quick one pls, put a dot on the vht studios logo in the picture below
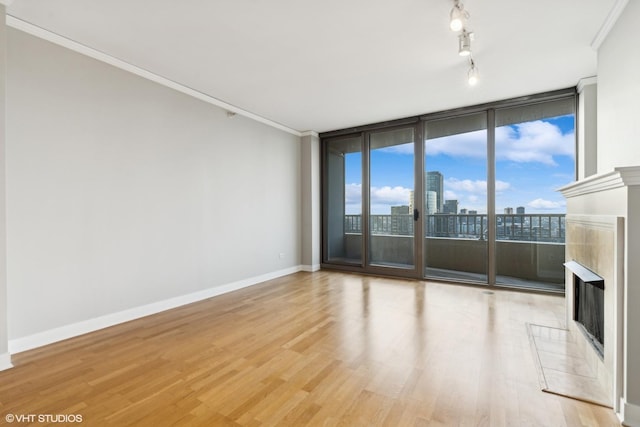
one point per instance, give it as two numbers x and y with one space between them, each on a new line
43 418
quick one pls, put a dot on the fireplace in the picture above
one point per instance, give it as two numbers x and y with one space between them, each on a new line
595 243
588 308
603 231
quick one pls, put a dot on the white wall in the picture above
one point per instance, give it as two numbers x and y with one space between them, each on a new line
4 348
619 145
310 199
587 160
123 193
619 92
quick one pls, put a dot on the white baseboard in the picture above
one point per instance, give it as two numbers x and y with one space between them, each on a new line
5 361
629 414
310 268
80 328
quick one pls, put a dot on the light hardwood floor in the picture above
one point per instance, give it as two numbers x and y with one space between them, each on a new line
323 348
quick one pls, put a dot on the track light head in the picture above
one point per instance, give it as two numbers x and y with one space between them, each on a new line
458 16
464 43
472 74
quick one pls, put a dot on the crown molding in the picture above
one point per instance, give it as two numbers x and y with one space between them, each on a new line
310 133
608 23
619 178
49 36
7 3
587 81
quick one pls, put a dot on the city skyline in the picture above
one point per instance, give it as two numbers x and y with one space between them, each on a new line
533 159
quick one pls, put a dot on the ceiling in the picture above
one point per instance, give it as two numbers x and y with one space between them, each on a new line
331 64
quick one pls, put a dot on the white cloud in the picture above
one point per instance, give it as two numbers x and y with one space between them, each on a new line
470 144
390 195
475 187
471 194
531 142
467 185
353 194
502 186
542 204
381 198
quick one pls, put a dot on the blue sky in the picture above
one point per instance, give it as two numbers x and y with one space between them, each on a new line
533 159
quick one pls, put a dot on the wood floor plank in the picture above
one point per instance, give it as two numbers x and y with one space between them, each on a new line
319 349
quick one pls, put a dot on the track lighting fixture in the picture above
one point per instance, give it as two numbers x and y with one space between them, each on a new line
472 74
464 43
458 16
458 22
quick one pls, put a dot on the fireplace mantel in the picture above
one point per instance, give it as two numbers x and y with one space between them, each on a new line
603 233
619 177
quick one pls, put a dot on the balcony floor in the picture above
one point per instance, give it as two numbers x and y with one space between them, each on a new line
515 282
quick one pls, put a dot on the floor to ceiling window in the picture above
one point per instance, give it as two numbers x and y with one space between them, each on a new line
368 193
467 195
534 155
342 199
456 197
391 189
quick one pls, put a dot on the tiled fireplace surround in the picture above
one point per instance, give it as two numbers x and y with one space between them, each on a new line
596 242
603 220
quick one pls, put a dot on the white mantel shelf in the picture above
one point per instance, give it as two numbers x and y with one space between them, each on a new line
620 177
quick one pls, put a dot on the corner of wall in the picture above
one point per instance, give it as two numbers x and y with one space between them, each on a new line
5 362
310 200
587 132
629 414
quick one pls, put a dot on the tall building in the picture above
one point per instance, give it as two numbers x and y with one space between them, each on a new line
435 182
508 211
432 203
400 210
411 201
451 207
519 211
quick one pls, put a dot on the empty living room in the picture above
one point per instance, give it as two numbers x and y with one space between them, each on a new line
442 229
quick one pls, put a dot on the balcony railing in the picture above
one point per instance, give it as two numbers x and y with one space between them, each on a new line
521 227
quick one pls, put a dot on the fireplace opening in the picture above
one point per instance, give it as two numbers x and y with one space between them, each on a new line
589 304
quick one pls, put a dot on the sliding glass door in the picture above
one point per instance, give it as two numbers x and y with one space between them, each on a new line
466 196
391 199
455 176
343 201
370 210
534 155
